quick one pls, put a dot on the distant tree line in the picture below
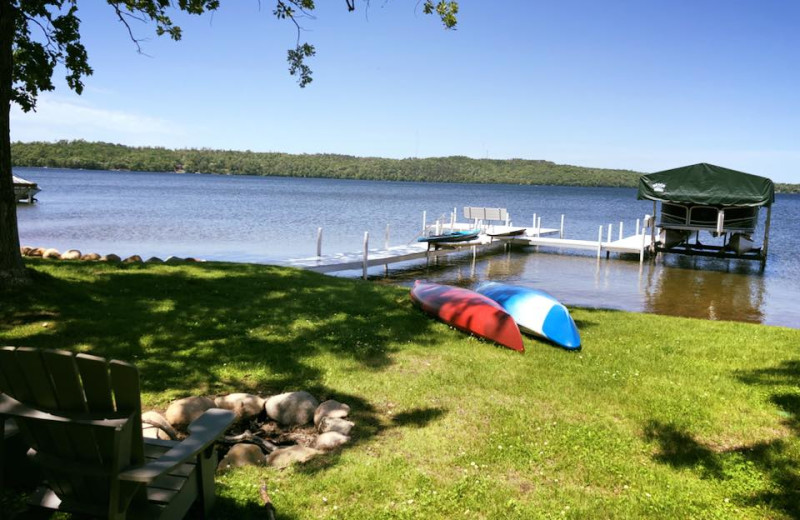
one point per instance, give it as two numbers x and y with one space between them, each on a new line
107 156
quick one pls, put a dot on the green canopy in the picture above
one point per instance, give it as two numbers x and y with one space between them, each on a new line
707 185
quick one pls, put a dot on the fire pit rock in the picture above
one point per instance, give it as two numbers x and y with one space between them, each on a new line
292 408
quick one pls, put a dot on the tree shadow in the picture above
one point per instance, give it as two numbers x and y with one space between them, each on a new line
773 460
181 326
252 510
680 449
417 418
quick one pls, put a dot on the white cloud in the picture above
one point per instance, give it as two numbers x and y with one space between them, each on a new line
57 118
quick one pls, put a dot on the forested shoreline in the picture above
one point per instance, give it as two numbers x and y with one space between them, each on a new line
457 169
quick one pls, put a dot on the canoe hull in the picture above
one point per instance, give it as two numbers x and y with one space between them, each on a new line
503 231
468 311
536 312
451 236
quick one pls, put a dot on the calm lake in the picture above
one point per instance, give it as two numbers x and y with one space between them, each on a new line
273 219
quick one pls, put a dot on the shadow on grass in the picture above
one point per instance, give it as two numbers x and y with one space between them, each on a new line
680 450
417 418
180 326
252 510
218 328
773 461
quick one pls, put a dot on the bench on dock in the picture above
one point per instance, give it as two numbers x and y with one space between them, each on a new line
486 214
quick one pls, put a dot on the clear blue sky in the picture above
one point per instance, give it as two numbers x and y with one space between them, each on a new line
644 85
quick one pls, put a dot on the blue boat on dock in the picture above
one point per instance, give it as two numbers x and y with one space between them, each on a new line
451 236
536 312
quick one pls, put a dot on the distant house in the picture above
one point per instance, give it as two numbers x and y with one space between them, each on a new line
24 190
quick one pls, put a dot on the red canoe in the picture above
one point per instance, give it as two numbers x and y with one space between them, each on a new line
468 311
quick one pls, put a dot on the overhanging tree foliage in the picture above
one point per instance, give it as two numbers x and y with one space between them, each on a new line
38 35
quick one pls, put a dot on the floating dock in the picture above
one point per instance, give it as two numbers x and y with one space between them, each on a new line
490 237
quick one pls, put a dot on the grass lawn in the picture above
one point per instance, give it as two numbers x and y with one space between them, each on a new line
656 417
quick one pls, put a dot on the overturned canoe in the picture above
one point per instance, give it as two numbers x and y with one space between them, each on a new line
468 311
505 231
536 312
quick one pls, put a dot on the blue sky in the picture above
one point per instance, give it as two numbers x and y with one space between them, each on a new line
644 85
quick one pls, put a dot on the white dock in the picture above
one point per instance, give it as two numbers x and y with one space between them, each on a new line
638 243
635 244
375 257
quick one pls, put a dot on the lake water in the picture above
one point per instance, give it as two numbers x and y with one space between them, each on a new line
272 219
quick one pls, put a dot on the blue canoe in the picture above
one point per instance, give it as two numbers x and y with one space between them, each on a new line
452 236
536 312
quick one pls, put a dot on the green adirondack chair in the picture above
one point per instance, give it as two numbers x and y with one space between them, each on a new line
81 415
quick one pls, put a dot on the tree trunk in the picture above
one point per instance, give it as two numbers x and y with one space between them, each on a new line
12 270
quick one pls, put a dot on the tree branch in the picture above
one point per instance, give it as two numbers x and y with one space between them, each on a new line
47 32
121 16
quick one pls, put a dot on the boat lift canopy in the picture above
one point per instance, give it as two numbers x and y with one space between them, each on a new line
705 197
707 185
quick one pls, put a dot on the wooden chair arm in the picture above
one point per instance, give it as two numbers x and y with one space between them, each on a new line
13 408
202 433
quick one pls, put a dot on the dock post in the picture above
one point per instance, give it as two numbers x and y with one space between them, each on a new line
652 226
453 220
319 242
424 220
765 247
641 251
366 252
534 224
620 231
561 232
386 241
608 239
599 241
539 227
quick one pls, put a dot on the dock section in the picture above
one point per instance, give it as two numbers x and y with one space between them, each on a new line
492 235
363 260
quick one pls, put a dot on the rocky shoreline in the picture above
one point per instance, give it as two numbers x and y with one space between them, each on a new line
75 254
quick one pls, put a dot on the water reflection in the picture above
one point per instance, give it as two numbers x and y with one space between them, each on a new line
677 286
706 288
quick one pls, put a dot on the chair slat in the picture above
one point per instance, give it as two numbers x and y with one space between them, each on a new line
15 384
38 379
125 383
82 441
4 384
159 495
96 384
168 482
58 439
66 380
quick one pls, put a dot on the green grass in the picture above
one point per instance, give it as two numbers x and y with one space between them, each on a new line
656 417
